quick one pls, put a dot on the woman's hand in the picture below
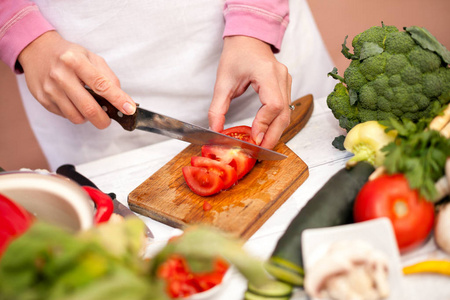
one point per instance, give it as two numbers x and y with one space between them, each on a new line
56 72
248 61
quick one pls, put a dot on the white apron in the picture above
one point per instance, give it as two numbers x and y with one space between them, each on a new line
165 54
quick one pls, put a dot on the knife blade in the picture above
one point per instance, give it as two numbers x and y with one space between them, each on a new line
70 172
160 124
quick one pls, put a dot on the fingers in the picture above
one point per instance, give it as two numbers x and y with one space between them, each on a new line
57 71
101 80
217 110
220 102
74 102
274 115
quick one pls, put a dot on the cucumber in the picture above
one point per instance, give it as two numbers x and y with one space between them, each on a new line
285 271
272 289
251 296
332 205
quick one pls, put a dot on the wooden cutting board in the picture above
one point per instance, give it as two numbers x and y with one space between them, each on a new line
242 209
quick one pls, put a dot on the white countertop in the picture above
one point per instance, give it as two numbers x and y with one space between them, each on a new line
124 172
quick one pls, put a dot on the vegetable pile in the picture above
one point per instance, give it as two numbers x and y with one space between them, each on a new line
392 74
393 101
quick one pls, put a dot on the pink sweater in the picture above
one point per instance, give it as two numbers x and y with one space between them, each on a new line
21 23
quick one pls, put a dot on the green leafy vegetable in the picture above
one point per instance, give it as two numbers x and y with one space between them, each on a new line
392 74
420 154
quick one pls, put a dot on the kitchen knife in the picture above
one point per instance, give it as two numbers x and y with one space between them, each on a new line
153 122
70 172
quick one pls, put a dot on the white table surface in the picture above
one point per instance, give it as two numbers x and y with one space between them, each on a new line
124 172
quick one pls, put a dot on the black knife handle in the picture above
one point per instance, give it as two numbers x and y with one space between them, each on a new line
128 122
70 172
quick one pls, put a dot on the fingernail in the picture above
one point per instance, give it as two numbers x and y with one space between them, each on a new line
129 108
259 138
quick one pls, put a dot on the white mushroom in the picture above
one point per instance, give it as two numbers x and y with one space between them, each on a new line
350 270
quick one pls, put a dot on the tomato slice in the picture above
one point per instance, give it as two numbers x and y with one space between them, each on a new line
236 158
390 196
201 181
226 172
243 133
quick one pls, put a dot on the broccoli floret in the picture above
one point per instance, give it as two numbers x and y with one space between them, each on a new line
399 43
432 85
373 66
411 75
339 100
368 97
353 76
395 64
425 60
392 73
374 34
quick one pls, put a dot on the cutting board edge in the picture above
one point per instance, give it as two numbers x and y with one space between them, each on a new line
161 217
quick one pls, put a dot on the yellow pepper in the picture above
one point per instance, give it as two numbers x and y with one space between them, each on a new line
430 266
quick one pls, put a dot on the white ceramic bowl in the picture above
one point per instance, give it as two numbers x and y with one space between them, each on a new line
378 233
212 293
49 197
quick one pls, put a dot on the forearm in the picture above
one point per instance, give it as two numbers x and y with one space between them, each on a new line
265 20
20 23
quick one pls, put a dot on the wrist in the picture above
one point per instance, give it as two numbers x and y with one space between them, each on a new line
246 42
27 53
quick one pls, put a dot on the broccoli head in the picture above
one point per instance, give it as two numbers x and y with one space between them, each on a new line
392 74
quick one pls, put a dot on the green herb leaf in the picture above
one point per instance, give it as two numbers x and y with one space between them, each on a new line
417 153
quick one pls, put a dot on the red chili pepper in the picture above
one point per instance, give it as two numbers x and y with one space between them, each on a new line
103 202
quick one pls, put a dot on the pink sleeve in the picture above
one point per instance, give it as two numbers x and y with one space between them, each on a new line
20 24
262 19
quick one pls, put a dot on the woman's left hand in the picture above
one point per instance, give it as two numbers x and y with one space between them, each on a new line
248 61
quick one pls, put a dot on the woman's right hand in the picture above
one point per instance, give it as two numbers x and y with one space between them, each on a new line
57 72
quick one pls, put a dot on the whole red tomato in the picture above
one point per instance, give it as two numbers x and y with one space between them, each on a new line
390 196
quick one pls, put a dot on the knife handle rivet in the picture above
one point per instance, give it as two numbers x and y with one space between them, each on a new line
104 108
120 114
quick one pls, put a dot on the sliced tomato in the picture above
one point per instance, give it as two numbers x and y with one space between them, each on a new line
181 282
226 172
201 181
243 133
236 158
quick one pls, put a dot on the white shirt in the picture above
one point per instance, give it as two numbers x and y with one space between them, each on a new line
165 54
